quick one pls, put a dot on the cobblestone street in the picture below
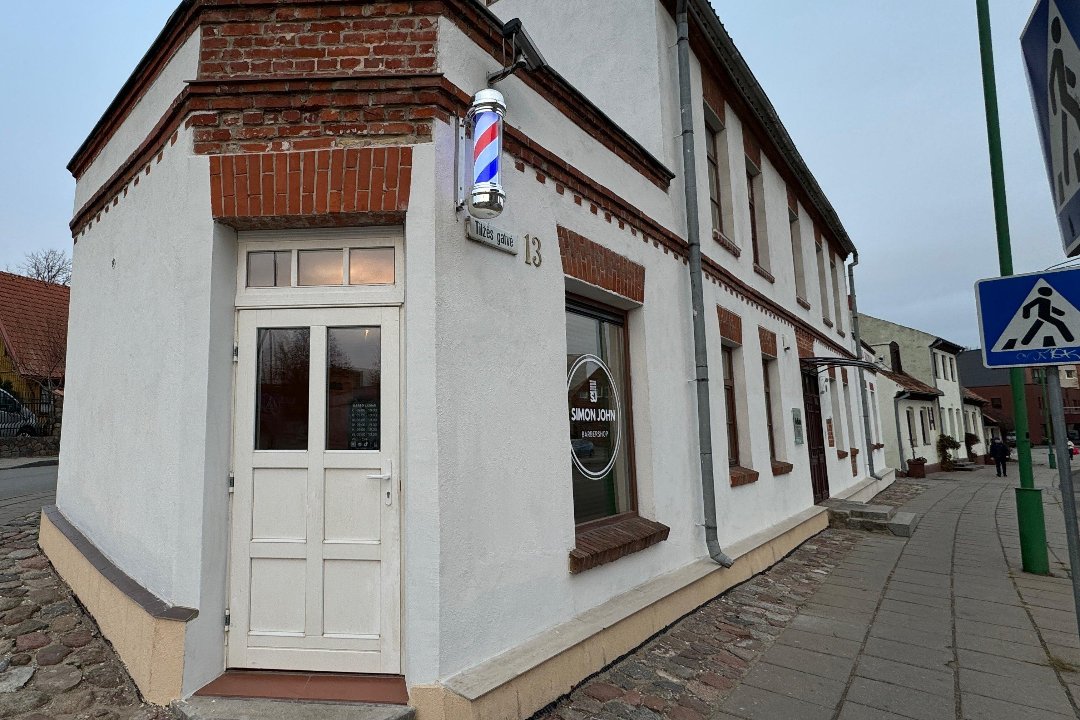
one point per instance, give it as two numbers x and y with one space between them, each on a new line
855 626
53 663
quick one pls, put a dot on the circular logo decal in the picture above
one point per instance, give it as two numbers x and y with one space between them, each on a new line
595 416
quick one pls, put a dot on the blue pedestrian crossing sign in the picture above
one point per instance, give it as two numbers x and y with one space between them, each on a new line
1030 319
1052 59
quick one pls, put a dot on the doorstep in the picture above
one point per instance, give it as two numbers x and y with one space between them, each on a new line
211 708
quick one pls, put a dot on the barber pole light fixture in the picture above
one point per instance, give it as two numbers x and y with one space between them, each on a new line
485 117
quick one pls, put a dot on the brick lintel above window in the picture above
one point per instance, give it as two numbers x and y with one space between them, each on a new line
593 263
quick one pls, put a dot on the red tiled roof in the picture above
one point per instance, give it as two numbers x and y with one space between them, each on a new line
974 397
33 324
911 384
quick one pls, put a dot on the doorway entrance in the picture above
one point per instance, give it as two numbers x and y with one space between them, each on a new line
815 436
315 546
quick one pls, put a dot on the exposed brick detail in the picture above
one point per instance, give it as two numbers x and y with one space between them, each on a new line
311 183
751 148
301 39
829 432
781 468
843 374
607 543
768 342
593 263
832 372
726 243
714 97
805 342
792 199
742 476
730 325
854 461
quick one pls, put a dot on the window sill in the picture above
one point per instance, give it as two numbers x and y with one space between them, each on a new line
764 273
879 446
841 332
726 243
781 468
827 321
742 476
602 544
841 454
803 303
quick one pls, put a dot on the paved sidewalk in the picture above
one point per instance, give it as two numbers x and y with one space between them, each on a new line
941 625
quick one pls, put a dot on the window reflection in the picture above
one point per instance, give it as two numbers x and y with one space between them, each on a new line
371 266
281 406
353 381
320 267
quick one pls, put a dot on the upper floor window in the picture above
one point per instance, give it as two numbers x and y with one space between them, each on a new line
995 402
952 367
823 285
838 283
713 131
797 254
755 201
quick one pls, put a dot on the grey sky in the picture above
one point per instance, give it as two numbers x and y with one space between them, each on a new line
884 100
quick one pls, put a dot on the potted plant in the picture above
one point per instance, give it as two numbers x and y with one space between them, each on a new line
946 444
916 467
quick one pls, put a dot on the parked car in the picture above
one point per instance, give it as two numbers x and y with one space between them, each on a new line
16 420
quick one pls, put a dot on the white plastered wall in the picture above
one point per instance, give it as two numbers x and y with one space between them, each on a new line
147 417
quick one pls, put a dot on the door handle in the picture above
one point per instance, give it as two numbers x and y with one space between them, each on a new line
388 477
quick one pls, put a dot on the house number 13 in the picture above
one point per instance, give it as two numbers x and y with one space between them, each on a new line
532 251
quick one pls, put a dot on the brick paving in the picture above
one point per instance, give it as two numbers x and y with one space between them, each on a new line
857 626
687 671
54 664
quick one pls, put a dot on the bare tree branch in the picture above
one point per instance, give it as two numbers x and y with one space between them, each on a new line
52 266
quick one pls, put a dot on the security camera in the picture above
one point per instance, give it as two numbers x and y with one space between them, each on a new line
524 45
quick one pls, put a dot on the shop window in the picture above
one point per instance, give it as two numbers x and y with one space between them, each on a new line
599 405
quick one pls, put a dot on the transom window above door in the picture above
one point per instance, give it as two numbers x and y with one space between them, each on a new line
320 267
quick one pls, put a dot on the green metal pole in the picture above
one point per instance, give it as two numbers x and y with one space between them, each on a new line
1029 507
1049 434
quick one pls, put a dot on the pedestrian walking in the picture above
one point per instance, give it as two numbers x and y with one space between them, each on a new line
1000 452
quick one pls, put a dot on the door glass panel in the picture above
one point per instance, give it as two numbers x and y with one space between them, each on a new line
281 404
371 266
353 401
320 267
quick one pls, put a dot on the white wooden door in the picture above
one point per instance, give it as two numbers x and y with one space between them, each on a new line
315 547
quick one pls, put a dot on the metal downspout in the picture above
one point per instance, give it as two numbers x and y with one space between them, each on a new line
862 373
899 434
701 358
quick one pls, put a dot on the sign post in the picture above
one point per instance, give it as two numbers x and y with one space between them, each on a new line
1029 508
1068 496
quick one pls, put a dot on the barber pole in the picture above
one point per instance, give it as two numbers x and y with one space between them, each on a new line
486 197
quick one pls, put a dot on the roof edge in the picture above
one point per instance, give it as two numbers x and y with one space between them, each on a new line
755 96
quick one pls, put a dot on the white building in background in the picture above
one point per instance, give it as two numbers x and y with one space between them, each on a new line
343 438
929 361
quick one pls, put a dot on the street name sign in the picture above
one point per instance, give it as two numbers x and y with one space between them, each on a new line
484 232
1031 319
1052 57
